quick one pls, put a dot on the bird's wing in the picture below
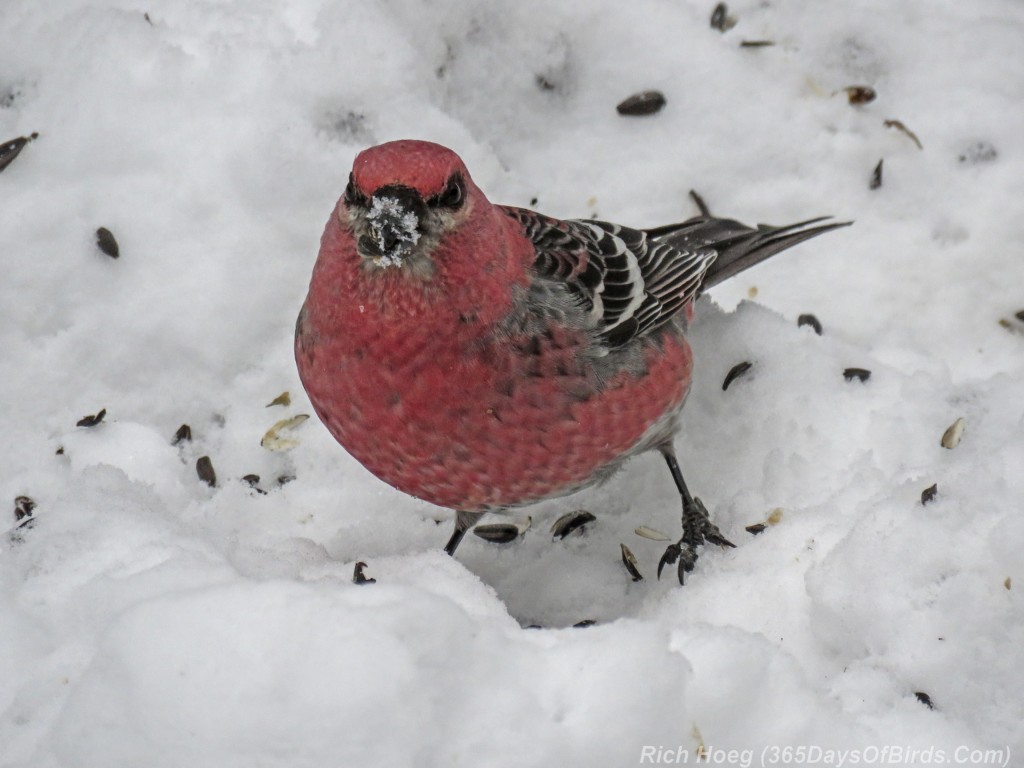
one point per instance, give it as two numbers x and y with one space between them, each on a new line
628 282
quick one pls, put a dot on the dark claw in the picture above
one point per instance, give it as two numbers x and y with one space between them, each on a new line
670 556
687 560
708 531
713 536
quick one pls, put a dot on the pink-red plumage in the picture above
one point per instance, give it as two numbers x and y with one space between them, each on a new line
482 357
454 411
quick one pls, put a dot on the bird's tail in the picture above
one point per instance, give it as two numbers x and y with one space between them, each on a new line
739 246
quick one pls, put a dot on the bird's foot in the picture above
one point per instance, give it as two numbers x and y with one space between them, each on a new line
697 529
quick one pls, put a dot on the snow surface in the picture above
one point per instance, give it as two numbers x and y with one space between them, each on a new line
148 619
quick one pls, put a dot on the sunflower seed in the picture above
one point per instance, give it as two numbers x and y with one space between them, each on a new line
23 506
876 176
1019 315
106 242
735 372
756 43
498 533
650 533
925 699
92 420
899 126
204 468
1008 583
861 374
358 575
720 18
929 493
810 320
253 482
24 518
643 103
273 441
544 83
951 437
571 521
284 479
183 435
755 529
11 149
585 623
860 94
629 560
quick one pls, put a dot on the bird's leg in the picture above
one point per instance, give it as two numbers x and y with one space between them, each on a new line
697 525
463 522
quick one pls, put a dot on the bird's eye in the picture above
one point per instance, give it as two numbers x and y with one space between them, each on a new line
352 194
452 195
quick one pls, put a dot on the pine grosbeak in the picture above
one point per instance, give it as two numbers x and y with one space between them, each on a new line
482 357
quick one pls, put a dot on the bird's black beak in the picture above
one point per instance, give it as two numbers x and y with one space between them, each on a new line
395 215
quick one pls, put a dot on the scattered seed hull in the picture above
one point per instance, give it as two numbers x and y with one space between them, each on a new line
860 94
641 104
359 576
951 437
629 560
92 420
275 440
876 176
810 320
735 372
497 533
204 468
107 243
570 522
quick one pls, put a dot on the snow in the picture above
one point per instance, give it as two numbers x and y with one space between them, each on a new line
147 618
388 216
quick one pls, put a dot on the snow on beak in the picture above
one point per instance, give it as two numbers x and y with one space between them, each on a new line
394 219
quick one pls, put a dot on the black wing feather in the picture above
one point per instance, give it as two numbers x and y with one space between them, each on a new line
630 283
633 281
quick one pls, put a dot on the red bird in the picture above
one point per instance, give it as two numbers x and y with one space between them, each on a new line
482 357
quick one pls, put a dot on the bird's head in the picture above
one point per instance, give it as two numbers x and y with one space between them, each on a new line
401 198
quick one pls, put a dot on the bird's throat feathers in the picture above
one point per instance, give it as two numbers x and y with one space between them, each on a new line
468 289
